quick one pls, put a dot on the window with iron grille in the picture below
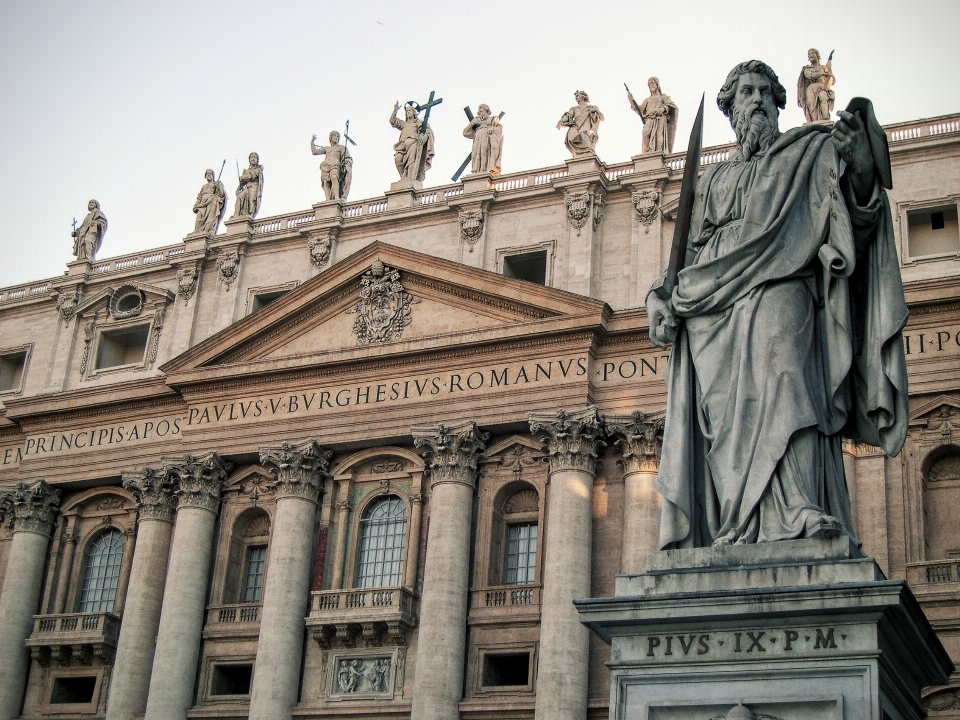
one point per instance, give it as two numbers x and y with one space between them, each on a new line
383 530
102 573
521 554
253 584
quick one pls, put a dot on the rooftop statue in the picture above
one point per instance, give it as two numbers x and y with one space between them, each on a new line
210 205
659 115
413 152
813 88
487 135
786 322
250 189
582 122
336 170
89 236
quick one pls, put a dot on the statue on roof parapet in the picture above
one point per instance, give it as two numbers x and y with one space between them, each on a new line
89 236
250 189
582 122
210 205
413 151
813 88
659 114
487 134
336 170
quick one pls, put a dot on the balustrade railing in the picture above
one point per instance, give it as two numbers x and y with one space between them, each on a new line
924 128
378 600
237 613
506 596
94 624
933 572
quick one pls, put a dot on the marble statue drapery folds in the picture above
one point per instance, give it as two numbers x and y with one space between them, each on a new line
210 205
487 135
250 189
660 115
813 89
89 236
582 122
408 149
336 170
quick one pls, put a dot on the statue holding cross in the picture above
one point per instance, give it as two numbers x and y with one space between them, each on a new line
413 152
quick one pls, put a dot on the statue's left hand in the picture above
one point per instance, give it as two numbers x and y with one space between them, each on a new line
850 137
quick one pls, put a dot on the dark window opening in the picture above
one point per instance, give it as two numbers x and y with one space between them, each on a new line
122 347
129 302
933 231
264 299
936 221
73 690
512 669
231 679
531 267
11 370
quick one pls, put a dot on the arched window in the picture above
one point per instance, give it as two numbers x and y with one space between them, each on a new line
383 530
102 573
520 516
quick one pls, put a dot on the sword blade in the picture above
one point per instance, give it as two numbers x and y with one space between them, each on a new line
688 190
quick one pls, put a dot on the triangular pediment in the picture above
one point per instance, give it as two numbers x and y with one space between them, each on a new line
937 406
384 300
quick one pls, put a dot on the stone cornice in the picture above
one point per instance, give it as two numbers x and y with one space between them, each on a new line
453 451
35 508
570 440
199 479
153 491
640 437
300 470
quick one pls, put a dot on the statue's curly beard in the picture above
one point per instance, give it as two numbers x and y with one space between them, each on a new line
755 130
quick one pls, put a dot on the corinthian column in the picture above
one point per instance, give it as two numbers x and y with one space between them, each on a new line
153 490
453 453
571 441
640 437
34 509
300 472
200 479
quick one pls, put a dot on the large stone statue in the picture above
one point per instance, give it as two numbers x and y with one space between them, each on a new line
250 189
582 122
210 205
813 89
89 236
786 321
409 149
659 114
336 170
487 135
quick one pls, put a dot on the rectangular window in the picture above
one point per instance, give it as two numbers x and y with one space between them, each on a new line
933 231
263 299
521 554
256 562
73 690
231 679
506 670
11 370
122 347
531 267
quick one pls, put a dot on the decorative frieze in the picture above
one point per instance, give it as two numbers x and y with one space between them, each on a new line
570 440
640 437
199 479
383 310
299 470
471 226
35 507
452 451
153 491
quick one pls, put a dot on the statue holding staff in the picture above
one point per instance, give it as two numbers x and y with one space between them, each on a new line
210 205
249 189
336 170
813 88
659 115
88 238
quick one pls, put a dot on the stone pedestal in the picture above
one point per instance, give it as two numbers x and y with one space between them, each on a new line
805 629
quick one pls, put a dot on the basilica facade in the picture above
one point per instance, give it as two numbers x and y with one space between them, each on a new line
357 461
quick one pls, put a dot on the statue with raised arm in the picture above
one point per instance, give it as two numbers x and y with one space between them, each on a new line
210 205
250 189
786 319
89 236
813 89
659 115
582 122
409 149
487 135
336 170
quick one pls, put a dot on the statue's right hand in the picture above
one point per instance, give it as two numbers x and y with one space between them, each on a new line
663 322
396 106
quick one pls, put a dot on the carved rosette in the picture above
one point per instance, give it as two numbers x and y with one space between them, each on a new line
383 310
199 479
578 209
570 440
228 266
300 470
647 203
153 491
320 247
453 451
640 436
187 283
471 226
35 508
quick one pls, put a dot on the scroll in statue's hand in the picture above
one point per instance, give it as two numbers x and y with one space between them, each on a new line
663 322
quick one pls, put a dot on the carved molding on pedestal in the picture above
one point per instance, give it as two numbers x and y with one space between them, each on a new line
570 440
153 491
453 451
640 437
35 507
299 470
199 479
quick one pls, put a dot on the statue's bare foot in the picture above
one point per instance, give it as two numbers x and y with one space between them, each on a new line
725 540
823 527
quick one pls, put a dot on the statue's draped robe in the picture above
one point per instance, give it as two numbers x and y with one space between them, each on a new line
249 192
814 94
89 235
792 306
405 155
580 122
209 206
487 145
659 129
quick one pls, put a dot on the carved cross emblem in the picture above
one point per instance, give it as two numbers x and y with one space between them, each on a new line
383 309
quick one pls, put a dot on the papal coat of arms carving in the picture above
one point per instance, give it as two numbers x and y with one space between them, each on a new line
383 309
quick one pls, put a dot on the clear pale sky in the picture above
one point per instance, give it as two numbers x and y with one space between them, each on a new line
130 101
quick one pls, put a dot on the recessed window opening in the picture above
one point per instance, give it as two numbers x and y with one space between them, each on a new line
231 679
382 534
521 553
531 267
933 231
102 573
73 690
11 370
129 302
264 299
122 347
510 669
256 562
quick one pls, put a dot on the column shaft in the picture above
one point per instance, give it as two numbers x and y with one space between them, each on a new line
641 520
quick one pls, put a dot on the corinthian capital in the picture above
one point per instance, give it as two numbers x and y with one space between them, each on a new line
570 440
300 470
453 451
153 491
640 436
199 479
35 507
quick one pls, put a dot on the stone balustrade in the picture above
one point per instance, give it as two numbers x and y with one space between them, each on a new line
74 638
244 613
933 572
